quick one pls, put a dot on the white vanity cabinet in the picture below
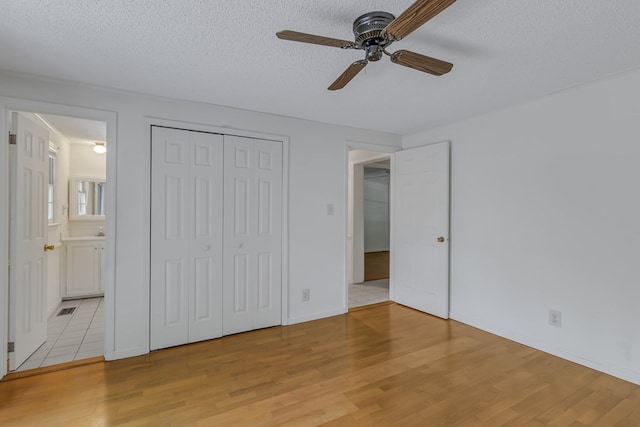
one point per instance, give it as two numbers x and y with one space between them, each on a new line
85 267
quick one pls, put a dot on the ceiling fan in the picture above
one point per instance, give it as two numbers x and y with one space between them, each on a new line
375 31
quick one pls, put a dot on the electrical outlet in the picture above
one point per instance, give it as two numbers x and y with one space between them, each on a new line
306 294
555 318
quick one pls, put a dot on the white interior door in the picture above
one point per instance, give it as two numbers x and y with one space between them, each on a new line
253 234
28 272
186 237
420 276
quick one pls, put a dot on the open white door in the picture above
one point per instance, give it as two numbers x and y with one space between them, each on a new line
28 272
420 254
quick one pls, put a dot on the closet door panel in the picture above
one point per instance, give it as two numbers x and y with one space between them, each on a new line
169 238
173 207
174 292
205 246
238 263
268 236
265 283
186 237
253 246
240 287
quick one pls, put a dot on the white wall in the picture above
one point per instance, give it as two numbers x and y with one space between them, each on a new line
56 230
62 160
86 162
376 210
357 222
316 240
545 214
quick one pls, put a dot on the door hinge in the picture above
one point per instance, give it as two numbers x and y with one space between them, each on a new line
11 347
12 138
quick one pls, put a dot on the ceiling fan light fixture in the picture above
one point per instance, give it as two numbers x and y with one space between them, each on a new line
374 52
100 147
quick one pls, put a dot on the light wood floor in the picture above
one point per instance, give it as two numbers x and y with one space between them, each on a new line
381 366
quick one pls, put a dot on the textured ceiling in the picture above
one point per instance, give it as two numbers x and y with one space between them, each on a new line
225 52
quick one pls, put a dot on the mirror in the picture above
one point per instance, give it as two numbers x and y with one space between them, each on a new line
87 197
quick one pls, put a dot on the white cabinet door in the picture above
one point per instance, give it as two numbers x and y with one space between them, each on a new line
84 268
28 272
420 276
253 234
186 237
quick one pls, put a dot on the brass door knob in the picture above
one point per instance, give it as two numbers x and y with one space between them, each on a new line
49 247
440 239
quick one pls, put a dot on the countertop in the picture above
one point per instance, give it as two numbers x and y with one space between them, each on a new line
81 238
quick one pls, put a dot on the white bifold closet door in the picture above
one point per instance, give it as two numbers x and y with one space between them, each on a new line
216 235
186 237
252 234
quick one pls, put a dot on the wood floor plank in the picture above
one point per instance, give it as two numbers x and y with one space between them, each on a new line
383 366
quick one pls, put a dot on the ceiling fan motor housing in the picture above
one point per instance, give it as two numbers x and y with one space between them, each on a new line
368 31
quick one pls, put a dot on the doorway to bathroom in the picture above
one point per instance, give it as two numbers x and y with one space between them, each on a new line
57 222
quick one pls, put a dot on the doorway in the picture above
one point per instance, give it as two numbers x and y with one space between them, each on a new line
419 225
368 227
64 205
376 210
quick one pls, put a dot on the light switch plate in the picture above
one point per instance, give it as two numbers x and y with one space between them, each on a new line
330 209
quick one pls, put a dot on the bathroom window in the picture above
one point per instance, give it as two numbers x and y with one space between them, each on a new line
101 192
83 189
51 193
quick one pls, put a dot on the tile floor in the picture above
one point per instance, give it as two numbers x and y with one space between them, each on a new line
75 336
368 292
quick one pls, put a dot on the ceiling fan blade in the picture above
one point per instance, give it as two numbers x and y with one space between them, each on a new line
348 74
313 39
414 17
419 62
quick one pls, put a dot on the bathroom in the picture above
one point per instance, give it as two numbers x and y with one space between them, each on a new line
70 296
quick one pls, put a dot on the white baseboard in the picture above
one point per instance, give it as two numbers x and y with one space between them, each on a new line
314 316
52 310
607 368
123 354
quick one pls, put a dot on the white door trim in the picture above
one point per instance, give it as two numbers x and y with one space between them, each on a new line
8 104
189 126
